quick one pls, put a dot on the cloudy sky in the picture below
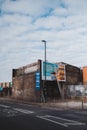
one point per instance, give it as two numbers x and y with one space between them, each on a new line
24 23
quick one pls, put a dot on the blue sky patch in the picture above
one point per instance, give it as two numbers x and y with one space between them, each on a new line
25 23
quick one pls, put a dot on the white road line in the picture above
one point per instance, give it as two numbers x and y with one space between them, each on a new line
60 121
75 123
4 106
62 124
64 119
24 111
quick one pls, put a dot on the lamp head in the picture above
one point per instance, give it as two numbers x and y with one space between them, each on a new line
43 41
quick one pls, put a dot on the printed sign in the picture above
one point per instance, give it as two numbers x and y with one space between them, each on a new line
61 76
1 89
37 80
50 70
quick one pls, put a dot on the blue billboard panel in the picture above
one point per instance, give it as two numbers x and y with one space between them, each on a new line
50 70
37 80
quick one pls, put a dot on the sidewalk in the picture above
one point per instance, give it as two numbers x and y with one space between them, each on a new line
58 104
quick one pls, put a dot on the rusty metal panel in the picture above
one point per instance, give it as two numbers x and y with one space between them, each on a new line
85 75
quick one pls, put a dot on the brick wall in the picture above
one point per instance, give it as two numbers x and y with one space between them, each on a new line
24 83
73 75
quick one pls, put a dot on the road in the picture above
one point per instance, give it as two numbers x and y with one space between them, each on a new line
15 116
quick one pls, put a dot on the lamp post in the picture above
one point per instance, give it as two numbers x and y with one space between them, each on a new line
44 56
44 91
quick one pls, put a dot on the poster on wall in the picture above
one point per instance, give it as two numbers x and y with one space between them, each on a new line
61 75
37 80
50 71
1 89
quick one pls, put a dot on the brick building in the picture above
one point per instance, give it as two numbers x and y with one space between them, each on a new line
29 83
24 82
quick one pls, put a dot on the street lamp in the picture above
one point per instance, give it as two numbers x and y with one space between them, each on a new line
44 91
45 56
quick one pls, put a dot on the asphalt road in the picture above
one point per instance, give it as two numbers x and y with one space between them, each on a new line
15 116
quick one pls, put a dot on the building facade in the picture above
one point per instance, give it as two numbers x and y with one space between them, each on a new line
30 84
24 82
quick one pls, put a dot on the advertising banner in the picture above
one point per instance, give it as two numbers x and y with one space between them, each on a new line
61 75
37 80
50 71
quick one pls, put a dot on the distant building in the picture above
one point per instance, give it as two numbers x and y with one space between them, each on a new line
5 89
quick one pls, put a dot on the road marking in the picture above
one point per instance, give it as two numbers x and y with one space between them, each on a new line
64 119
77 123
12 113
43 117
61 121
24 111
4 106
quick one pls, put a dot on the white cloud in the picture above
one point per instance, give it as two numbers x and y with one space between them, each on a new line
28 7
60 12
76 7
24 23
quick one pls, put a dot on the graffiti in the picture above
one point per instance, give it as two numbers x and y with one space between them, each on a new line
19 92
31 69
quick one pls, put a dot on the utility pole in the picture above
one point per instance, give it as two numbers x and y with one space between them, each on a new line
44 88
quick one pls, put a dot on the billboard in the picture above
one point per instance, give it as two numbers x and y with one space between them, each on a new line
50 70
60 74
